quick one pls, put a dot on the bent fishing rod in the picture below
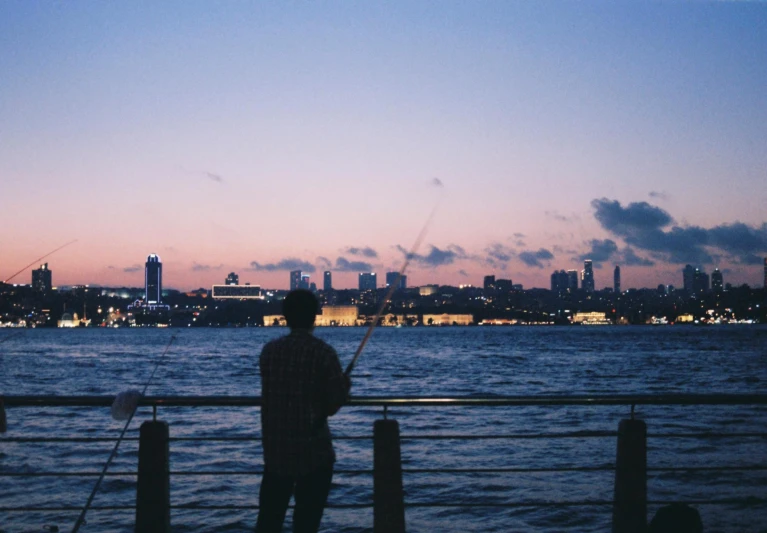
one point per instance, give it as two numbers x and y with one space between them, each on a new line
391 290
40 259
81 518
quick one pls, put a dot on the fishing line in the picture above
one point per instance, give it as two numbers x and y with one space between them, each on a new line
40 259
392 288
81 518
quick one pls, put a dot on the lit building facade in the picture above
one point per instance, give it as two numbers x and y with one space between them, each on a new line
42 278
237 292
447 320
338 315
153 279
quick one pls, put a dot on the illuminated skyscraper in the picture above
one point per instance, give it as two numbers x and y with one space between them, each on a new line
688 278
717 281
153 279
572 280
489 285
560 282
587 281
391 278
367 281
327 281
305 283
232 279
295 279
42 278
617 279
700 281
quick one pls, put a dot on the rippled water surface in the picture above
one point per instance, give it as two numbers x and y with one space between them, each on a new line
416 361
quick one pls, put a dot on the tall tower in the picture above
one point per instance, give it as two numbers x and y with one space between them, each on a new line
153 279
392 277
588 276
688 278
327 281
572 280
717 281
305 282
295 279
617 279
42 278
367 281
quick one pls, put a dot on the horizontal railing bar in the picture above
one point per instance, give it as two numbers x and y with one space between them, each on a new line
580 503
403 401
569 435
706 435
605 468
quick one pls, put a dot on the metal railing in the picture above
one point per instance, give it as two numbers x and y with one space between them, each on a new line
405 405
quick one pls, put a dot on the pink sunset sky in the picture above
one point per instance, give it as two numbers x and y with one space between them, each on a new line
257 138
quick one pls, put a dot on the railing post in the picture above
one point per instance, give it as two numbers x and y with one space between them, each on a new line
153 487
388 494
630 502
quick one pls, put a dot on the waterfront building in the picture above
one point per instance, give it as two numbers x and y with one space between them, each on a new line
391 278
275 320
717 281
593 318
688 277
327 281
448 320
42 278
367 281
295 279
153 279
232 279
587 277
237 292
617 279
572 277
338 315
428 290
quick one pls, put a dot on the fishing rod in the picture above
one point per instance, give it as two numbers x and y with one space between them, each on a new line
391 290
81 518
40 259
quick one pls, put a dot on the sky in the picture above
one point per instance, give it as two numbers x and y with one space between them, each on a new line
265 137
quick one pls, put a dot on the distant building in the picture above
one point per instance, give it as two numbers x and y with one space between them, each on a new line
489 285
572 278
153 279
305 282
448 320
428 290
295 279
688 277
237 292
232 279
42 278
338 315
327 281
700 282
593 318
617 279
393 277
275 320
367 281
587 278
765 272
560 282
717 281
503 286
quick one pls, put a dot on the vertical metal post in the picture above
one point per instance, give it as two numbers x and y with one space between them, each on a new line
388 494
630 502
153 487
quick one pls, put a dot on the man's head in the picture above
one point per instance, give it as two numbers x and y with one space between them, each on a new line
300 309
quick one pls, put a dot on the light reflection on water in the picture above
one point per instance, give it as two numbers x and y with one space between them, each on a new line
418 361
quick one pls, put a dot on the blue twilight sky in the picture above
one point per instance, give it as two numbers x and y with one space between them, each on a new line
258 137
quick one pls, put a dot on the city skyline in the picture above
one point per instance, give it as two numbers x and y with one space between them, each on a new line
553 132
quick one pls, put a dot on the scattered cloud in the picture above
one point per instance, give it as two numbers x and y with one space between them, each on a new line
644 226
323 262
365 251
535 259
133 268
557 216
499 252
630 258
196 267
213 176
289 263
436 256
600 251
344 265
463 273
658 195
436 182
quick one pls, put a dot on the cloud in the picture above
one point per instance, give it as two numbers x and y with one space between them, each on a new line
534 259
436 256
133 268
643 226
436 182
196 267
556 216
289 263
323 262
213 177
463 273
366 251
630 258
660 195
344 265
499 252
601 250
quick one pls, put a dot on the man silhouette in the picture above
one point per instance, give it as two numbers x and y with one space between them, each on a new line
302 384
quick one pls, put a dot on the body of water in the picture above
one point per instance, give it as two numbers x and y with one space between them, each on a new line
477 361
